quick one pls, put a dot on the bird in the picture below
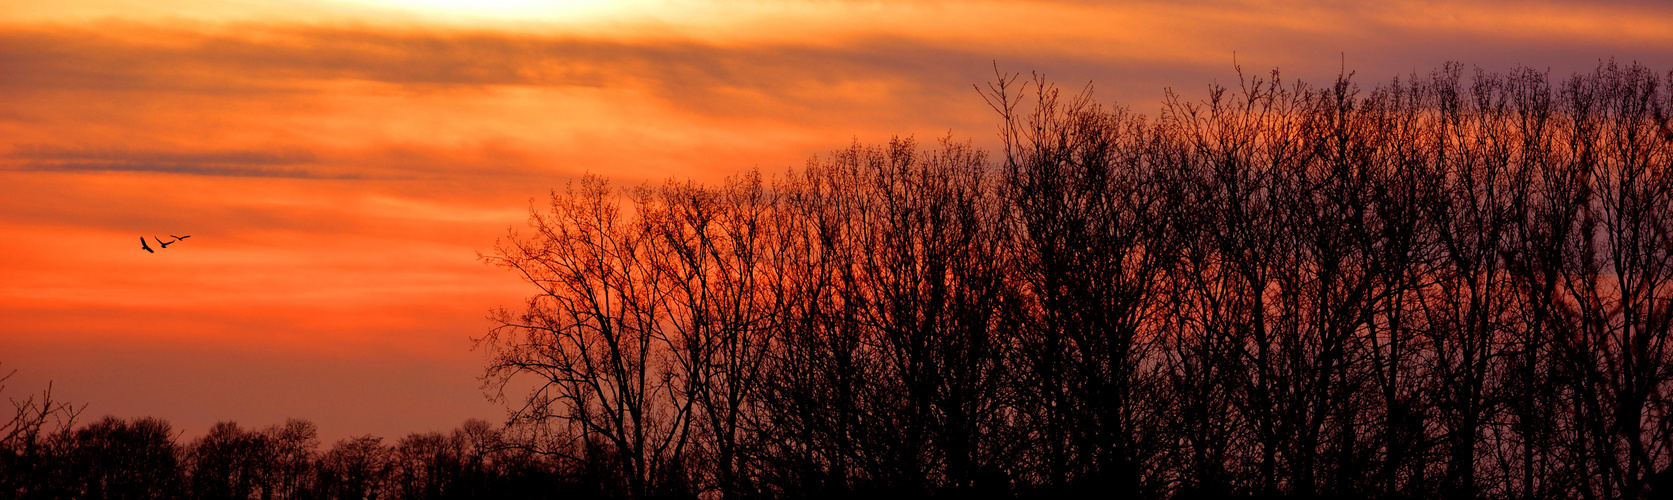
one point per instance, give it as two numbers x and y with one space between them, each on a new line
180 237
160 242
145 246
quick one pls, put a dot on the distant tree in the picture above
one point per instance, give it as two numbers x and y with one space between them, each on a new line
355 468
116 459
484 459
424 466
293 446
230 462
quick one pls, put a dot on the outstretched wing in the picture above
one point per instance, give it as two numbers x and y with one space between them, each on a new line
144 246
180 237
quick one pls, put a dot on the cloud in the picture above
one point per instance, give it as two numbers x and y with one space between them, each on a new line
859 56
176 168
444 102
379 101
55 153
289 163
266 58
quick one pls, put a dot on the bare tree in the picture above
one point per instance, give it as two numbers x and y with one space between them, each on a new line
354 469
24 454
594 339
726 266
116 459
1422 289
1092 206
230 462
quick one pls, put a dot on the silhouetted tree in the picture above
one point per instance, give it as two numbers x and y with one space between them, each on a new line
354 469
117 459
27 457
1436 287
292 447
598 338
230 462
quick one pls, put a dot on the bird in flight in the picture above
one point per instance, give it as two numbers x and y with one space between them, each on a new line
160 242
145 246
179 237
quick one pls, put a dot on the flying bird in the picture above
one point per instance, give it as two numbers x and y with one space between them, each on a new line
179 237
145 246
160 242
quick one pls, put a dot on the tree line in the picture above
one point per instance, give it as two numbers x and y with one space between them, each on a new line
1435 287
46 455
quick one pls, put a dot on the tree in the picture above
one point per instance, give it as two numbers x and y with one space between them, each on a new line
117 459
354 469
1429 288
230 462
25 456
594 338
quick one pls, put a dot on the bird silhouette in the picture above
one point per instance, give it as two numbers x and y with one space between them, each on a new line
160 242
145 246
177 238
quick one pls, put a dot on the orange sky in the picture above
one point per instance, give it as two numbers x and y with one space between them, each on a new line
339 163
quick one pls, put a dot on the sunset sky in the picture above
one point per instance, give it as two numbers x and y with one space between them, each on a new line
339 163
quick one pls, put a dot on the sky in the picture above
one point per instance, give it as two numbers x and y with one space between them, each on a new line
339 164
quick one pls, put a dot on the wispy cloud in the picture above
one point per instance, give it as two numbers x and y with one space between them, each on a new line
264 58
289 163
245 157
852 60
